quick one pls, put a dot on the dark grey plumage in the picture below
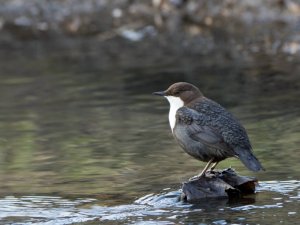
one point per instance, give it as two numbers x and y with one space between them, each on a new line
207 131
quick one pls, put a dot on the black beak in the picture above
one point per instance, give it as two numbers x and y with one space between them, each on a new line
160 93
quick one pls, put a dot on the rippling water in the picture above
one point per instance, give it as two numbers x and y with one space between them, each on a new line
275 202
80 142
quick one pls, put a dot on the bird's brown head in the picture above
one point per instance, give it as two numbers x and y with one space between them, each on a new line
185 91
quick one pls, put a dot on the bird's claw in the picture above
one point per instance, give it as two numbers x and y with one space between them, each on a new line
197 177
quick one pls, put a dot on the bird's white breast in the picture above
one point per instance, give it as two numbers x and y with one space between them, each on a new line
175 104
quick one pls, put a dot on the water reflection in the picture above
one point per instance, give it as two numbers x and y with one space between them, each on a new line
72 124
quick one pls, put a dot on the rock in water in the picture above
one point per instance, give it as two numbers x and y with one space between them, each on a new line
218 184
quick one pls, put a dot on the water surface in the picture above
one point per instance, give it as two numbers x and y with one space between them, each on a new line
83 140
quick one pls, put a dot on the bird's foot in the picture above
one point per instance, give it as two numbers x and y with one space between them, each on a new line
197 177
211 171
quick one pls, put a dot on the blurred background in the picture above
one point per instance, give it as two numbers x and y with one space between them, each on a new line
77 117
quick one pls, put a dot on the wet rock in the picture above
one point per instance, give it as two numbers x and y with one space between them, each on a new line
218 184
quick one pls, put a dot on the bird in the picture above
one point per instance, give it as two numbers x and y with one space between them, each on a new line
205 129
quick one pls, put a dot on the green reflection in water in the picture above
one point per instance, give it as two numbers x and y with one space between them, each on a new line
68 129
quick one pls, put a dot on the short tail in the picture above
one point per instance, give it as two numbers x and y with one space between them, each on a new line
249 160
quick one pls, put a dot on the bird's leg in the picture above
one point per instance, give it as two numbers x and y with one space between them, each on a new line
206 168
213 166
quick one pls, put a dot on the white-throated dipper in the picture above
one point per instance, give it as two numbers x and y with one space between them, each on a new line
206 130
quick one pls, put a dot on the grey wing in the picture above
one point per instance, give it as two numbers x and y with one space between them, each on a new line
223 136
233 133
199 130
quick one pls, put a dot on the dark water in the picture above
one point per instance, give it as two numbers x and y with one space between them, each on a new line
82 140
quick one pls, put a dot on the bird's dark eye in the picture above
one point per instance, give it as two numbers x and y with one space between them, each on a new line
176 93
